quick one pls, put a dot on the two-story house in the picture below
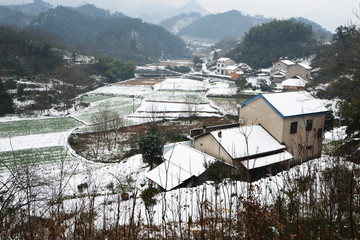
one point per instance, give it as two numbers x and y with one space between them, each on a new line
222 64
285 69
295 119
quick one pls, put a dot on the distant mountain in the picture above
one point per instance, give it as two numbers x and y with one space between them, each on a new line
179 22
192 6
319 31
157 12
32 9
120 37
92 11
9 16
231 24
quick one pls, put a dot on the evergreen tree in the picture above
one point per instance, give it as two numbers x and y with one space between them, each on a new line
6 103
151 146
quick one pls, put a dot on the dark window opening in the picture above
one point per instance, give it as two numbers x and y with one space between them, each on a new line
309 124
293 127
308 147
319 133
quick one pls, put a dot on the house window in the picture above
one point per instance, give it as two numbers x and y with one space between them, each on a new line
319 133
308 147
293 127
309 124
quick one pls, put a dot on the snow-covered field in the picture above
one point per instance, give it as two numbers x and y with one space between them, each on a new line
121 105
34 141
180 84
11 127
122 90
218 89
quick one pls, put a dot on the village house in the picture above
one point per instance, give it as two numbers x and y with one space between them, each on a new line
295 119
222 64
296 83
301 70
285 69
252 151
237 75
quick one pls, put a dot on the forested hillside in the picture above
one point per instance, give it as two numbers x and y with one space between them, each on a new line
9 16
22 55
26 57
179 22
264 44
231 24
119 37
339 70
93 11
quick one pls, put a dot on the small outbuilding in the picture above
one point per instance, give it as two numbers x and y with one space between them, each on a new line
250 149
295 83
184 166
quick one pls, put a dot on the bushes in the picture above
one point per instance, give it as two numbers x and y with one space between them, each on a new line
180 69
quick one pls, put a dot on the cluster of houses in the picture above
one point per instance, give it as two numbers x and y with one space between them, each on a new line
292 76
275 131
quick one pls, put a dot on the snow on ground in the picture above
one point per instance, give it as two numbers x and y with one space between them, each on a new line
22 104
177 96
169 110
33 141
180 84
121 105
226 105
123 90
221 89
162 107
335 135
22 127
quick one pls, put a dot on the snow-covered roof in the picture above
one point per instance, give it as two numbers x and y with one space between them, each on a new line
267 160
277 72
287 62
246 141
292 104
294 82
307 67
231 67
181 163
223 59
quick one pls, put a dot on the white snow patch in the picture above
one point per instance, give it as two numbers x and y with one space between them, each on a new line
33 141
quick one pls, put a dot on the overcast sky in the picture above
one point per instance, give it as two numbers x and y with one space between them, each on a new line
328 13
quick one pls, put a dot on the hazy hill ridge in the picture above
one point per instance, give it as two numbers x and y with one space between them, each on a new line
115 36
32 9
177 23
228 25
231 24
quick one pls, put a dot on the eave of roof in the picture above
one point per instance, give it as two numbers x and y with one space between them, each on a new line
277 111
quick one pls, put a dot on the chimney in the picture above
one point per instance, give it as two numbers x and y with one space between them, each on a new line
204 129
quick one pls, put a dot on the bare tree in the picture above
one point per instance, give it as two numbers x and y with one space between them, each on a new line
191 108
